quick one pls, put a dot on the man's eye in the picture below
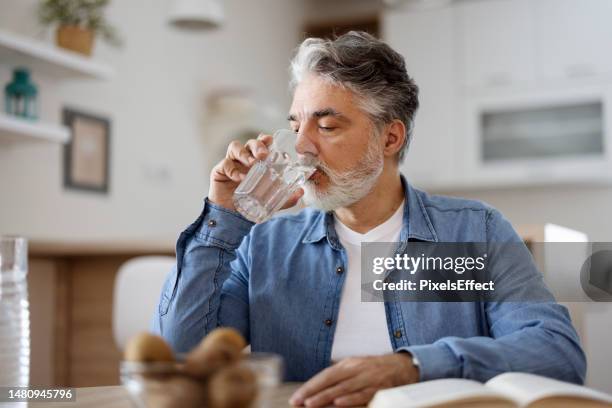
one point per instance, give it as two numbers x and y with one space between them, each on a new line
326 128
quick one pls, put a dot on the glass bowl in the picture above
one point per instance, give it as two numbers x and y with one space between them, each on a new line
165 384
161 385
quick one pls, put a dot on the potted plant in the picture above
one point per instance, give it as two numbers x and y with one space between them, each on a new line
78 23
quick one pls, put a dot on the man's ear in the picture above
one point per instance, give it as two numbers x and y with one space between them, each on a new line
394 135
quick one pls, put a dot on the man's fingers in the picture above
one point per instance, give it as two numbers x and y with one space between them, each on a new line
358 398
229 170
236 151
253 149
326 378
327 396
257 148
266 139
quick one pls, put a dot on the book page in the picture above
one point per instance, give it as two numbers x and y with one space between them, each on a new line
435 393
528 388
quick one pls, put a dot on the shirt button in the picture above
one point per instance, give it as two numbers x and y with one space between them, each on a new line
212 223
339 270
397 334
328 322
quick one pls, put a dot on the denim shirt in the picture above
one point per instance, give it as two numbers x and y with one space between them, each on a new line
279 283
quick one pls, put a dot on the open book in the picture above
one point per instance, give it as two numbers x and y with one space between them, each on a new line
504 391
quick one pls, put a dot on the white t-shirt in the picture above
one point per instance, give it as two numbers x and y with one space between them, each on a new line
362 327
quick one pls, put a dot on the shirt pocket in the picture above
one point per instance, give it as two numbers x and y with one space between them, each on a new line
168 291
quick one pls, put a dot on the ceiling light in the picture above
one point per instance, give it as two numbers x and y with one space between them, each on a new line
196 14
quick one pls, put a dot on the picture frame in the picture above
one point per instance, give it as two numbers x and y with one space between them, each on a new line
87 155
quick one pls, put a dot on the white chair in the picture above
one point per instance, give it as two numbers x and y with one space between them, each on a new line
138 286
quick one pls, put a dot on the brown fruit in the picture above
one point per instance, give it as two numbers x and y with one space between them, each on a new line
147 347
224 335
175 392
232 387
204 361
220 348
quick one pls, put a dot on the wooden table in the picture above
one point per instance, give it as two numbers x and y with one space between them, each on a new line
117 397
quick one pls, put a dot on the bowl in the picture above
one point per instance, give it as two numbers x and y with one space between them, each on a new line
161 385
166 384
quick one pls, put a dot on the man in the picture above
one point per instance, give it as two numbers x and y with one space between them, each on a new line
292 285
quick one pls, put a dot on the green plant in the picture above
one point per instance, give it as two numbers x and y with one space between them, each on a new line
88 14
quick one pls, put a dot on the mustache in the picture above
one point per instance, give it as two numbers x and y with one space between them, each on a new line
313 161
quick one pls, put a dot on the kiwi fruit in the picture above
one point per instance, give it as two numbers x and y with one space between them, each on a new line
210 376
219 349
203 362
174 392
226 336
147 347
232 387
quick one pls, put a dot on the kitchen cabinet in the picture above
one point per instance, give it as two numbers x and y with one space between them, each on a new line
510 42
573 38
513 92
424 38
495 42
537 137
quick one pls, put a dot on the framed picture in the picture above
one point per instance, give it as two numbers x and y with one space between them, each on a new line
87 155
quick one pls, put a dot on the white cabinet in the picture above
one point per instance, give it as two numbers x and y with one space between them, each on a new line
510 42
513 92
538 137
574 38
549 123
495 42
425 39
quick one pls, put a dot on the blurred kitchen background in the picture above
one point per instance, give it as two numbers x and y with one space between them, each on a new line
111 160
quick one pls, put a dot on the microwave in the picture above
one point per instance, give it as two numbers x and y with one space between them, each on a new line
539 137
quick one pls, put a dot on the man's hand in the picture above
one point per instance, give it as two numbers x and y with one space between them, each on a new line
230 171
353 381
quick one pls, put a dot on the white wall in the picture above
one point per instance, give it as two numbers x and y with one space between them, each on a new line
156 103
586 209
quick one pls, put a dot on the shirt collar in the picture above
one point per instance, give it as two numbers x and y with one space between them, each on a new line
417 224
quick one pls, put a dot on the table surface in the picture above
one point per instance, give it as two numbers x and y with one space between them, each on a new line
117 397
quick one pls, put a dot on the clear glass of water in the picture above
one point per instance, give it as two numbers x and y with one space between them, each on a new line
269 183
14 313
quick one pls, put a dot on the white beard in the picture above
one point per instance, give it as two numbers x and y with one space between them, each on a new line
348 187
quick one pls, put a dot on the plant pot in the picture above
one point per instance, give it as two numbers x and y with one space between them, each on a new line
75 38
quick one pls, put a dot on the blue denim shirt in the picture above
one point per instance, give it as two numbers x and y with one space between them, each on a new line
278 284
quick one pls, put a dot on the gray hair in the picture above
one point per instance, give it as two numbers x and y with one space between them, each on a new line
368 67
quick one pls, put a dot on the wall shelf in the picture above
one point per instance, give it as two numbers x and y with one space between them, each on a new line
44 58
21 130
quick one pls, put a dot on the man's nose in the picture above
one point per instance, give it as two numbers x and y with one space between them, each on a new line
304 145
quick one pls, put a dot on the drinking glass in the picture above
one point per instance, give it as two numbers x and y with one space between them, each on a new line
270 183
14 313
